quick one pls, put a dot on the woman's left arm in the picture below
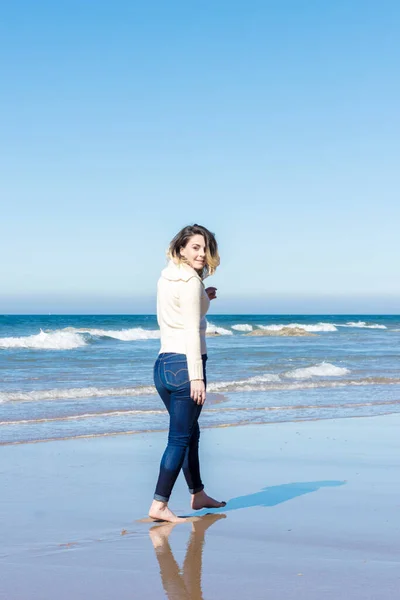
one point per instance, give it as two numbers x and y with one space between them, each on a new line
190 304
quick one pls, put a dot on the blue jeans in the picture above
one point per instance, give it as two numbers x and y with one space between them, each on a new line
171 379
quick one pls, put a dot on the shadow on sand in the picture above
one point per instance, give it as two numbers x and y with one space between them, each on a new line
271 496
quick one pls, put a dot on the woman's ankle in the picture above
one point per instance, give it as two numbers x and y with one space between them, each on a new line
197 492
159 504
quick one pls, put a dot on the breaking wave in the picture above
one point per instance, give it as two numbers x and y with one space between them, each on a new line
124 335
244 327
72 337
75 393
53 340
361 325
253 386
323 369
257 383
310 328
214 330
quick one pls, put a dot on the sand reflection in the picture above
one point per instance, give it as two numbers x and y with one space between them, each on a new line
185 583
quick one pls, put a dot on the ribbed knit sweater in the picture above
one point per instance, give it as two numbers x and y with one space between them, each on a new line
182 304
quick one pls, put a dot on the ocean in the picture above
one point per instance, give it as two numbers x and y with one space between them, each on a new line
74 376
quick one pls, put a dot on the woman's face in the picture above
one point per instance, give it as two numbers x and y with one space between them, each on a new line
195 251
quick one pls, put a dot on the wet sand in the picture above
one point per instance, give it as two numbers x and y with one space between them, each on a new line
313 512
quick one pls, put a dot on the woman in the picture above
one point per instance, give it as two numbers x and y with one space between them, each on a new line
180 369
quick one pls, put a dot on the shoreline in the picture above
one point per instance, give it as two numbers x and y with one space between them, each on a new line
203 428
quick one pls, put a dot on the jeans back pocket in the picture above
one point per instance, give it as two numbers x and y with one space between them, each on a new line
176 374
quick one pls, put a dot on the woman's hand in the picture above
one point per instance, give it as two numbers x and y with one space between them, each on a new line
211 292
198 391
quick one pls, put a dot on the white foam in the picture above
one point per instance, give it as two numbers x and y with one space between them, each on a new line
323 369
243 327
75 393
52 340
251 383
252 386
361 325
219 330
95 415
124 335
310 328
257 383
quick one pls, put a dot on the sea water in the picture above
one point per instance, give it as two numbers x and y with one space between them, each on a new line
78 376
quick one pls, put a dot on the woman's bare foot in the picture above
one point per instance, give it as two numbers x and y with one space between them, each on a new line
159 534
201 500
159 511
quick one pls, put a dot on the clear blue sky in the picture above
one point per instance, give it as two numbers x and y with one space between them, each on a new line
274 123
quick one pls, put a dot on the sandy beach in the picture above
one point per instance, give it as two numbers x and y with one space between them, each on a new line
313 512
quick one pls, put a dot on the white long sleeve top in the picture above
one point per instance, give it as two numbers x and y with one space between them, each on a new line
182 304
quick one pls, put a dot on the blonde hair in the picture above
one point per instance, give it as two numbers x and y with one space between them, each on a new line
212 259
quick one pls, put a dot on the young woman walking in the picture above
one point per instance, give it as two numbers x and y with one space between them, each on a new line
180 369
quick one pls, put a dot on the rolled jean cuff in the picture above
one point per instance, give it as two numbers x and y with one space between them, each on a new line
160 498
196 490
